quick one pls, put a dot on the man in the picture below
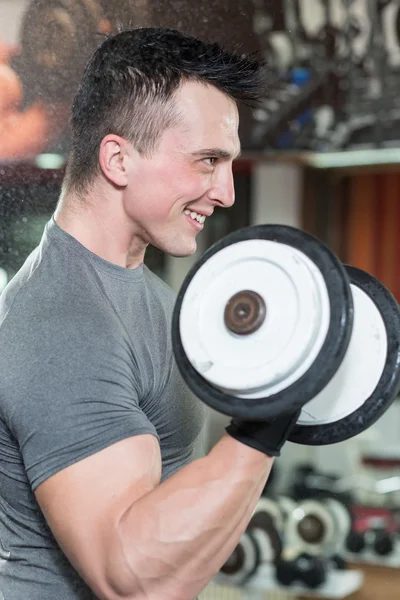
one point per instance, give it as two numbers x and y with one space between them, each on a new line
101 494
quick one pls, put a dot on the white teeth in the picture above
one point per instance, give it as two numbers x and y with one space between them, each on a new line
194 215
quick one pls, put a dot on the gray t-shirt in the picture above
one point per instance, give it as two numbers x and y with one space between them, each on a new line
85 361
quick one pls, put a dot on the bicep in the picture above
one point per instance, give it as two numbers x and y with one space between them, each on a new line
83 503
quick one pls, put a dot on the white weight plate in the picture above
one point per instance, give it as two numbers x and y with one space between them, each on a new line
368 380
243 562
298 347
286 505
343 521
267 551
360 371
271 508
266 525
287 343
294 539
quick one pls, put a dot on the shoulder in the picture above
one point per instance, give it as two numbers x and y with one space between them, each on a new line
46 316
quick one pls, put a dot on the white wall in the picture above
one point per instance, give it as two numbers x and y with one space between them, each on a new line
276 194
10 18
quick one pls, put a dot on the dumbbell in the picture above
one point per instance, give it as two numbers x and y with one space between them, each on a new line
355 542
268 322
344 522
266 526
315 532
287 505
318 527
382 541
305 569
338 563
378 540
260 544
243 562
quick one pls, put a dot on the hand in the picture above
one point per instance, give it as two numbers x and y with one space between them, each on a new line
267 437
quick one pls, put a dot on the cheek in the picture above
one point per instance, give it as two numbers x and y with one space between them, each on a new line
160 193
188 184
176 187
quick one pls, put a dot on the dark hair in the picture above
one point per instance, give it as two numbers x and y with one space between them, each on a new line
128 86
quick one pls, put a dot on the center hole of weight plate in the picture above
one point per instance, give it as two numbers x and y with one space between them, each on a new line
245 312
311 529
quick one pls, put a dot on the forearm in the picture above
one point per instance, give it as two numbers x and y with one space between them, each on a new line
177 537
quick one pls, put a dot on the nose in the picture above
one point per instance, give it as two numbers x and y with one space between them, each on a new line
222 191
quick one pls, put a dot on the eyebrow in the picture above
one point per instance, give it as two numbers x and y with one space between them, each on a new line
217 152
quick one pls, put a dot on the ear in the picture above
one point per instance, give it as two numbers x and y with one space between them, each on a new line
115 158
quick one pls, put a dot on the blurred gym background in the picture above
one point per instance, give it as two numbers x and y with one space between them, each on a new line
321 152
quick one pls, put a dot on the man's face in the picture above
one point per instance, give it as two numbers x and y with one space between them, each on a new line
171 193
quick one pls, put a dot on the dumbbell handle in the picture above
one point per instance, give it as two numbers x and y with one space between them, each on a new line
267 437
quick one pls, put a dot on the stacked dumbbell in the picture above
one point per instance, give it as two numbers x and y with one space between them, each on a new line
260 544
374 543
315 534
299 541
370 538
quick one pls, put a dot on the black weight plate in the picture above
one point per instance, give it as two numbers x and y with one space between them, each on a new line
264 523
388 386
57 39
244 561
333 349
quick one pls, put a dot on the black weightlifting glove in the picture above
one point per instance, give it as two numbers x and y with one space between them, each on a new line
267 437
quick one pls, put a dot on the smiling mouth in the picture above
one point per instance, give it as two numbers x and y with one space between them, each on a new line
195 216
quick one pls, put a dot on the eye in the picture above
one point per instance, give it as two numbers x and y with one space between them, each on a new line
212 159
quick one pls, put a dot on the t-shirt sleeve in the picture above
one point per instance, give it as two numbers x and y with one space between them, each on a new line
72 391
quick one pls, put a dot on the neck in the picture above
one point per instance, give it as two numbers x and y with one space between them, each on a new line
102 226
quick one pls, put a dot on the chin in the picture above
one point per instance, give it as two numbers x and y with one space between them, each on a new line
181 250
182 253
178 247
